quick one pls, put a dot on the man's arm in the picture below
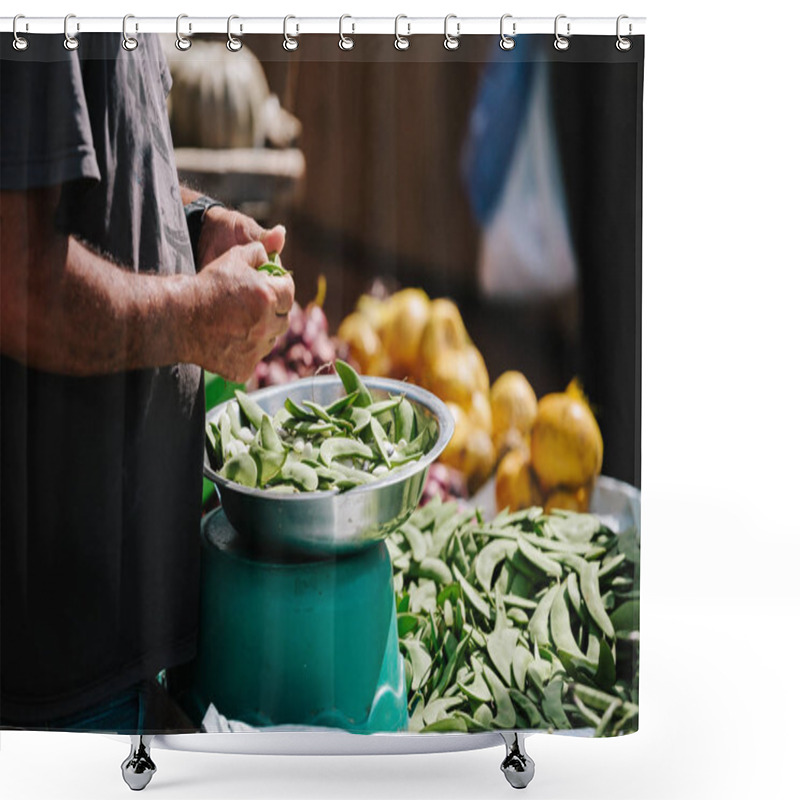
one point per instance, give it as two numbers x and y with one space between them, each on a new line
65 309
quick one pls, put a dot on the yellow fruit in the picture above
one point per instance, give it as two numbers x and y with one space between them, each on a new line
568 500
452 377
405 321
375 310
478 459
480 411
470 451
443 331
365 345
575 390
515 483
566 445
455 446
514 407
479 371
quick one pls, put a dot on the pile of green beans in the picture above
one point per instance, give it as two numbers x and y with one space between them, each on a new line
529 621
309 447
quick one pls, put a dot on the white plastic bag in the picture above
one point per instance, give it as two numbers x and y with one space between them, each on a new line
525 252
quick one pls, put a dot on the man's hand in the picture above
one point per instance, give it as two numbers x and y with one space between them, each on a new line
240 311
223 229
67 310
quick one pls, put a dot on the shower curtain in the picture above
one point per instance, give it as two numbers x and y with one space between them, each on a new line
179 225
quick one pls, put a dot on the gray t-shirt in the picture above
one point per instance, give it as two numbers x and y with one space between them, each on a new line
100 478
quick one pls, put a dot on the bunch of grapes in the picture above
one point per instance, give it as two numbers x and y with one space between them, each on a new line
305 349
444 481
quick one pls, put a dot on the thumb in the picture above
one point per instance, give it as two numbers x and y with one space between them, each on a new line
273 239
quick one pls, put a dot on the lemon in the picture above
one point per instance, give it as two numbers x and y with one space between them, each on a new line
568 500
455 375
566 444
514 407
405 320
470 451
444 330
452 454
480 411
515 483
478 459
364 343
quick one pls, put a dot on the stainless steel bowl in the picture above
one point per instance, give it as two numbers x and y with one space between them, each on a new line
331 522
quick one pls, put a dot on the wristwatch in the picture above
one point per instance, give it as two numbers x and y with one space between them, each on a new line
195 214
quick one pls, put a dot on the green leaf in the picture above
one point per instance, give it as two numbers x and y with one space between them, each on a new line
606 673
625 618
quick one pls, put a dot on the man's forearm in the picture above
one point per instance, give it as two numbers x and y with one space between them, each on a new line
87 316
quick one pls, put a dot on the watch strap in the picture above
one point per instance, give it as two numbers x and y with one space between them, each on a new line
195 212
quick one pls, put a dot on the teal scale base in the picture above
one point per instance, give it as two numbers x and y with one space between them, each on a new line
299 642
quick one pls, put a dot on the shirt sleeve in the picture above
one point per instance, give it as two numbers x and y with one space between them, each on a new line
45 130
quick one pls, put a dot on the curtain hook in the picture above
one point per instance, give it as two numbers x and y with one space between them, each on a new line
233 44
623 43
451 42
70 42
507 42
345 42
289 42
20 42
401 42
561 42
129 43
181 42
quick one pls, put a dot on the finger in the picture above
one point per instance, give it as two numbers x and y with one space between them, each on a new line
283 286
254 254
273 239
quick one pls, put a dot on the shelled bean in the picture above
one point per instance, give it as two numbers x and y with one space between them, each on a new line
307 447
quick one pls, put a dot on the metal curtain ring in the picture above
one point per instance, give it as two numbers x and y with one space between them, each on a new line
181 42
289 42
70 42
451 42
507 42
129 43
345 42
20 42
233 44
623 43
561 42
401 42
